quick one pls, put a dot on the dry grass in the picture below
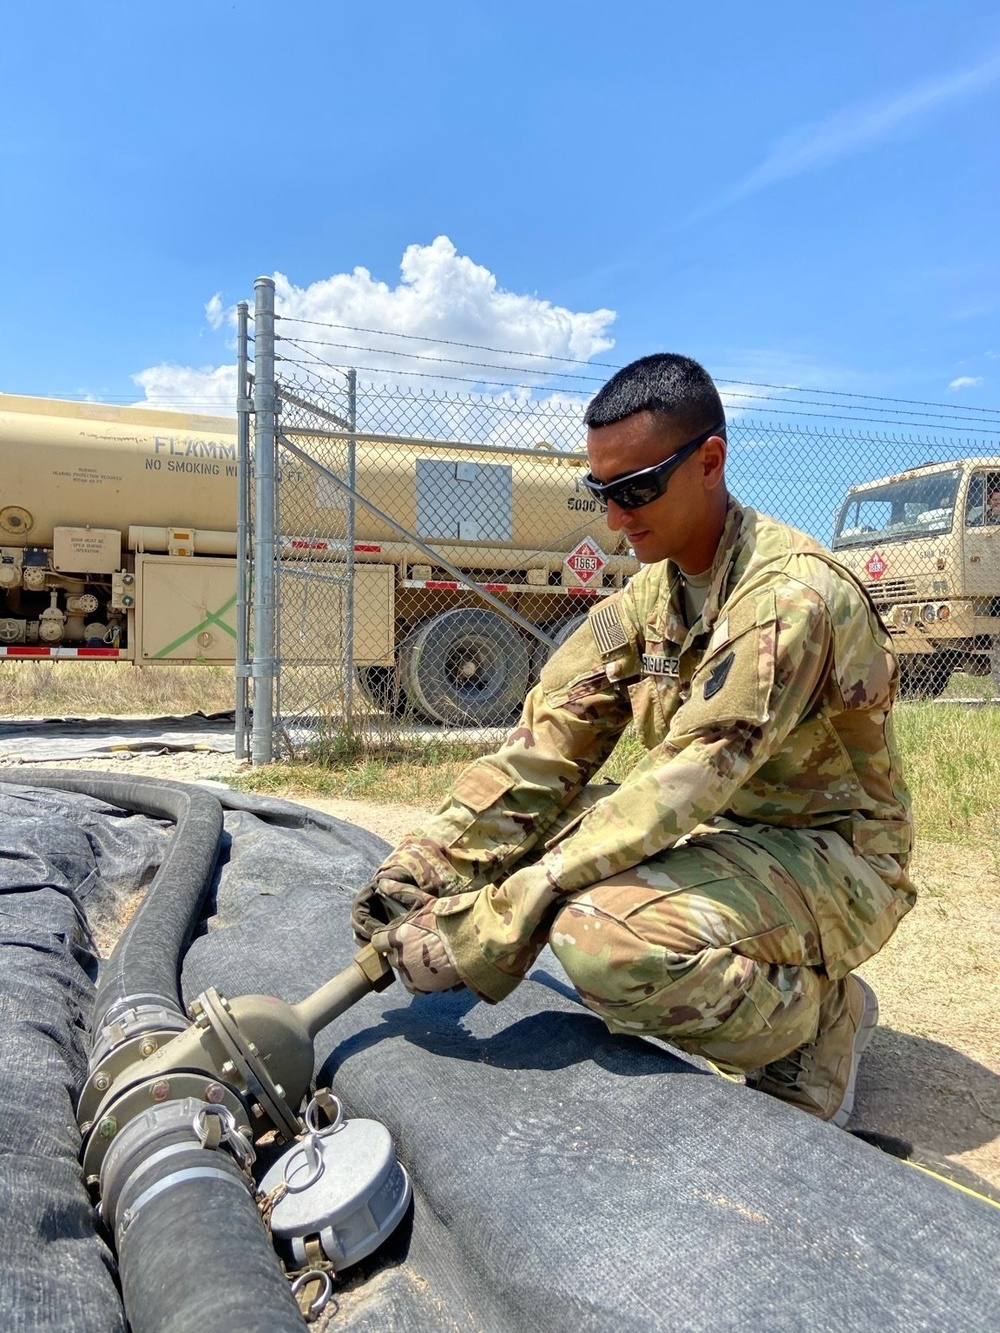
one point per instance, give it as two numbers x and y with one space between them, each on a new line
932 1075
112 689
418 776
951 756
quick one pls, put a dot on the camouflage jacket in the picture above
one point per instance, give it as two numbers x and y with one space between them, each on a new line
774 707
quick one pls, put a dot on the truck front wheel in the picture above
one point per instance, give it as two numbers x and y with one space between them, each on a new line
465 667
924 676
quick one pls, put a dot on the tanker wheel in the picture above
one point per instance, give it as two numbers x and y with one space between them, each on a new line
381 687
465 667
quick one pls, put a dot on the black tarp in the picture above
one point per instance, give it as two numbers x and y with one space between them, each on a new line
565 1179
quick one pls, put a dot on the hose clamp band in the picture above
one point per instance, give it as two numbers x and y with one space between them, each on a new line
168 1182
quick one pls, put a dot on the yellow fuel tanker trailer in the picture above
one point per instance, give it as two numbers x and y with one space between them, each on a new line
118 540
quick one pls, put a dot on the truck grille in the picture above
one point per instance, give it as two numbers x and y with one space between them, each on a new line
884 592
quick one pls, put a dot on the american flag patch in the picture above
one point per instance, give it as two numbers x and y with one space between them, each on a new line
609 631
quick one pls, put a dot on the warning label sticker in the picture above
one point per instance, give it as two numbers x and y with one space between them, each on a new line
586 560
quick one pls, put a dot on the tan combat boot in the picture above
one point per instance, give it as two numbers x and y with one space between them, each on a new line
820 1076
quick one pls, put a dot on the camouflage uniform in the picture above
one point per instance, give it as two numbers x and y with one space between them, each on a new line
754 856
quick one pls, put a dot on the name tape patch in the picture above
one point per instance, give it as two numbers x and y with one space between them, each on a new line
659 664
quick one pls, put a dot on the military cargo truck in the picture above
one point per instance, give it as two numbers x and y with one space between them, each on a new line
926 544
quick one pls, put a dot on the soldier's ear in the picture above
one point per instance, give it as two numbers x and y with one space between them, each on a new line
712 457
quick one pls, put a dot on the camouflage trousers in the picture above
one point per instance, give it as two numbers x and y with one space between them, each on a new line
726 944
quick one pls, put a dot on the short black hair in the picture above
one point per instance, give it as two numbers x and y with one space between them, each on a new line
673 386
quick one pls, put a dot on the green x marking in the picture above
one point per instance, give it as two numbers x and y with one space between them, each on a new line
213 618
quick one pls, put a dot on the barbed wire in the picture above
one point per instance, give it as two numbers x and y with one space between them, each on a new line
441 360
960 424
609 365
302 344
955 417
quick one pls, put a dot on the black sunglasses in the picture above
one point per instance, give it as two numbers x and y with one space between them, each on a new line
643 487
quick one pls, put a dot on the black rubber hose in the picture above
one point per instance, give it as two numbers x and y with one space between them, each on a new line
196 1255
146 960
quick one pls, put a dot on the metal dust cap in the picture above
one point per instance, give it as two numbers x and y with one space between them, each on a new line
343 1185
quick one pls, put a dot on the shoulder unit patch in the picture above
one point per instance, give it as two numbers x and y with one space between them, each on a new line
717 676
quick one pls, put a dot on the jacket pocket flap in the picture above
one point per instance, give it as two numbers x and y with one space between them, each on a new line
881 837
481 786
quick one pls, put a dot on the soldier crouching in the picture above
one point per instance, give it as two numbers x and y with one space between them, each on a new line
721 896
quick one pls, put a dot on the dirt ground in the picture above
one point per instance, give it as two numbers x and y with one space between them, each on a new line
932 1073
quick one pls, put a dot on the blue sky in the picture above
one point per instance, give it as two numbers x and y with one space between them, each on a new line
797 194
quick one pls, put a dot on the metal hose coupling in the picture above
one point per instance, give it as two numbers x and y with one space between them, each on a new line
167 1146
252 1054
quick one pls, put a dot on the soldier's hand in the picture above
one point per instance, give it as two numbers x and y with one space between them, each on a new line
381 901
415 950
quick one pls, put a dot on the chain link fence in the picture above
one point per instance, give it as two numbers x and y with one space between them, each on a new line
430 550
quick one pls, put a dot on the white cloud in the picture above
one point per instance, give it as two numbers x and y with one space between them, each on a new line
211 389
445 296
442 298
966 382
214 311
854 128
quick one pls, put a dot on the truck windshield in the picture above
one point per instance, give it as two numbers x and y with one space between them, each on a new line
916 507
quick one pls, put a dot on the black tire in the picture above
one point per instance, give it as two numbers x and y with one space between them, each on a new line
924 677
381 687
465 667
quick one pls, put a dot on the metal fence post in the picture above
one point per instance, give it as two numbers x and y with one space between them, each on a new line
264 536
352 449
244 406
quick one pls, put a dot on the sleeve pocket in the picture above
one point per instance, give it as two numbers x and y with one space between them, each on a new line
481 786
735 680
881 837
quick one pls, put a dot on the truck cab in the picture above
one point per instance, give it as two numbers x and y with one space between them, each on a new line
926 545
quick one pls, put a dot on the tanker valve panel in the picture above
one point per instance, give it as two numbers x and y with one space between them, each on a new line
122 591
